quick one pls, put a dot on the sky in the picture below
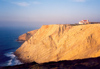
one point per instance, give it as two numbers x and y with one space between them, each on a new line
35 13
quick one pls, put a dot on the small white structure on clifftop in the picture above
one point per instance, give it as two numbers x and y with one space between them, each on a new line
84 22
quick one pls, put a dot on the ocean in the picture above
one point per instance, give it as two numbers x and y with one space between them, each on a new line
8 45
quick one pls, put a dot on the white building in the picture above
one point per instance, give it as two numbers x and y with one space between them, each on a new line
84 22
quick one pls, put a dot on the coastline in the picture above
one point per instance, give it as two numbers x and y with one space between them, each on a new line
13 59
18 58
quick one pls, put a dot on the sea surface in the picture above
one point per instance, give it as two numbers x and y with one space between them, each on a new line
8 45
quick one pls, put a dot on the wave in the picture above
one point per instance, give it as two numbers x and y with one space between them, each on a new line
13 60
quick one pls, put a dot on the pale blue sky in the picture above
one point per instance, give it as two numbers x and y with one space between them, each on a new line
33 13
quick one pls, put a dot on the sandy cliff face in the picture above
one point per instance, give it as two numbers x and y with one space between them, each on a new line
26 36
61 42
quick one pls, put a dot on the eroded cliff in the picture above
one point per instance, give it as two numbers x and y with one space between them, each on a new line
26 36
61 42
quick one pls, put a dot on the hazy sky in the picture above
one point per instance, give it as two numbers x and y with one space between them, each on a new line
33 13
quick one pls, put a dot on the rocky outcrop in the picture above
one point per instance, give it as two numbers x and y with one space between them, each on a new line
61 42
26 36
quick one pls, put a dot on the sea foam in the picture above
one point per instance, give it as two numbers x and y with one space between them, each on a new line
13 60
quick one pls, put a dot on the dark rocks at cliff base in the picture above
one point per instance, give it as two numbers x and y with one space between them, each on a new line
90 63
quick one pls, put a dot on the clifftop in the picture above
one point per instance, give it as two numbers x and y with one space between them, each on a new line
61 42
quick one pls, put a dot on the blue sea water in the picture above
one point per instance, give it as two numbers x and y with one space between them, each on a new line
8 45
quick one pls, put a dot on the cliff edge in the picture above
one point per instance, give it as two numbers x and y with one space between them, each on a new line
61 42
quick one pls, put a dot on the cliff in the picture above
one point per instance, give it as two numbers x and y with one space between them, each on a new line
61 42
26 36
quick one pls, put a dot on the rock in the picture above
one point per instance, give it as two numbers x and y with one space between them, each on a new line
26 36
61 42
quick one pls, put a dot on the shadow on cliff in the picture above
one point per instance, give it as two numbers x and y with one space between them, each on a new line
90 63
